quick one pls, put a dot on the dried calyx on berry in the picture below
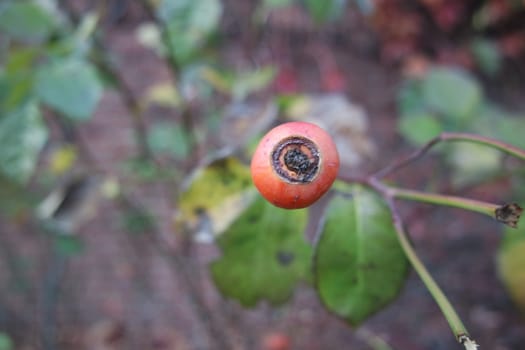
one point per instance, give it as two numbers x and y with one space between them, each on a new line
296 160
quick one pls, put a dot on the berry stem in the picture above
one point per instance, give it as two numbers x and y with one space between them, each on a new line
445 200
508 214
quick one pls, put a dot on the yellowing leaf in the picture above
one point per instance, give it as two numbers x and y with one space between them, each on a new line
62 159
217 195
511 264
163 95
216 79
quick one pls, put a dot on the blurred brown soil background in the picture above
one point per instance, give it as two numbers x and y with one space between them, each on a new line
125 292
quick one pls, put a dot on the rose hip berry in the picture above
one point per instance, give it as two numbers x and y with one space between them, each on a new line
295 164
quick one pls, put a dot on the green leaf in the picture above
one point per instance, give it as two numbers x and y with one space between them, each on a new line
419 129
68 245
359 265
169 138
26 20
249 82
16 78
267 6
21 59
324 10
137 221
487 55
498 123
22 136
472 162
264 255
193 82
189 23
15 90
511 264
270 4
70 86
146 170
219 192
452 92
5 342
410 98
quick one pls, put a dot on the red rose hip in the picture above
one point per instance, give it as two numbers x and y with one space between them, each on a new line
295 164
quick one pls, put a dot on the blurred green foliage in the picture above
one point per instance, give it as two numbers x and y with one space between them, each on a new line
452 99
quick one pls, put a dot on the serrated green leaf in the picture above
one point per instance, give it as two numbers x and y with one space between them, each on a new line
70 86
189 23
22 136
359 265
26 20
264 255
511 264
219 192
419 129
452 92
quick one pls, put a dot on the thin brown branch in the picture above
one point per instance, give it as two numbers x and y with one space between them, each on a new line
419 153
171 61
166 38
129 99
184 270
487 141
450 137
181 264
51 286
510 24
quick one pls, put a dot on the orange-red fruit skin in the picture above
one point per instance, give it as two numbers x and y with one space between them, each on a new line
282 193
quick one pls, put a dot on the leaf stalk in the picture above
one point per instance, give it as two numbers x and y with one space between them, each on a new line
453 319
